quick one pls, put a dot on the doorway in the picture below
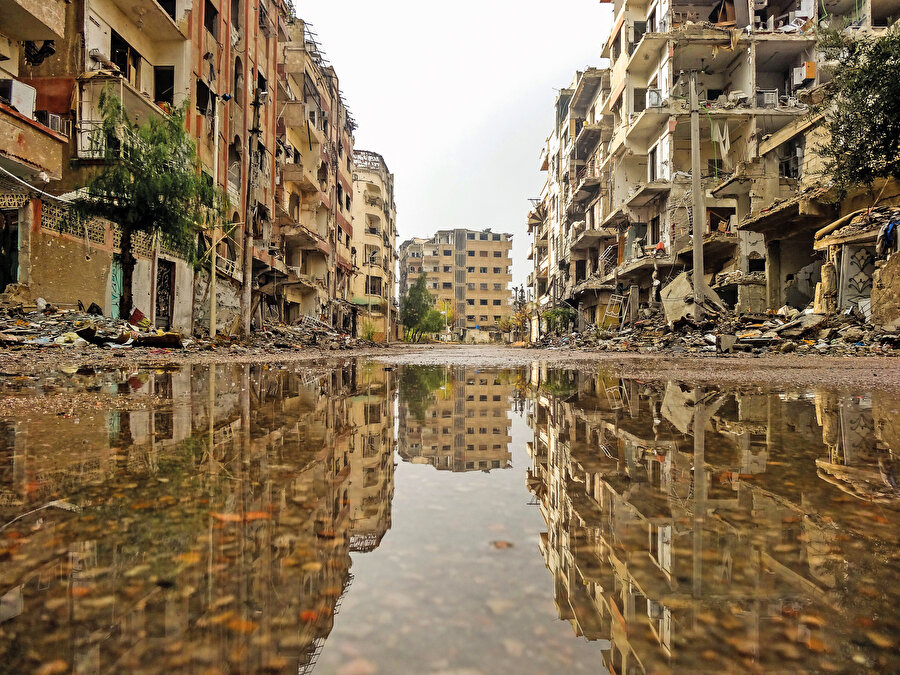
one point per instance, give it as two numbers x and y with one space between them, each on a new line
165 293
9 247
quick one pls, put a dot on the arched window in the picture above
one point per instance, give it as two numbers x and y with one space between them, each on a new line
238 91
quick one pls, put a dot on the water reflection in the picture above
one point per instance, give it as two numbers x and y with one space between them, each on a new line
197 518
692 528
204 518
455 418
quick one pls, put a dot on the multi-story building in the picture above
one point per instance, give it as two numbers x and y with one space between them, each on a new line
155 56
616 211
316 195
374 246
468 273
463 426
248 71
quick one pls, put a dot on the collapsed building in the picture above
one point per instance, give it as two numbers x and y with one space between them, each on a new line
271 128
614 219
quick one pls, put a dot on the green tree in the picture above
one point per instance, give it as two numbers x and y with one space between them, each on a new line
414 305
150 182
861 108
417 386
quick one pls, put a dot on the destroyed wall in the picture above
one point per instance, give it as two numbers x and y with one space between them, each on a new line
886 293
228 302
64 271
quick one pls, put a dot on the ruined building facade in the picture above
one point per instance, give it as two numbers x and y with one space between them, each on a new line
468 273
247 69
375 220
615 213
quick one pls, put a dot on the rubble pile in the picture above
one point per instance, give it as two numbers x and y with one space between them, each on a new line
306 332
47 326
790 331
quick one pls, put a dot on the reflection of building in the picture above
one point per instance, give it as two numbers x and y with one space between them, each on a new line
463 423
372 457
709 551
213 513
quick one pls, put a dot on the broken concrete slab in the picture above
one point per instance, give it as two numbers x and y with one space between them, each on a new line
802 325
678 299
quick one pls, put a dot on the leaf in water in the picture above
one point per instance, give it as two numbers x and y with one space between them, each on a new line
312 566
79 591
256 515
502 544
53 668
189 558
242 626
226 517
309 616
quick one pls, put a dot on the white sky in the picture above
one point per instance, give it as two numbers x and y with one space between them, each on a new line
458 98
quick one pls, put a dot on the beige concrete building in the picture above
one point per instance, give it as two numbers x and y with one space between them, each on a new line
374 246
468 274
464 427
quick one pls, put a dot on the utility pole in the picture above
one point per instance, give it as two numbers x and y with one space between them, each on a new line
252 173
215 229
697 197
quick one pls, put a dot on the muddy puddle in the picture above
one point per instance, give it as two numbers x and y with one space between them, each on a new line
373 518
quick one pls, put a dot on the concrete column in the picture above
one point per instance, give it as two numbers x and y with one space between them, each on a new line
29 222
773 274
634 293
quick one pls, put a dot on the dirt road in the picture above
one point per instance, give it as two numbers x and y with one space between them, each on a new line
779 370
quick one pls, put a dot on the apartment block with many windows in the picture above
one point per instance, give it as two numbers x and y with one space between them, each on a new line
468 273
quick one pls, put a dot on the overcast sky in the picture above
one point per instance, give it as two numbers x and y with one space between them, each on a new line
458 98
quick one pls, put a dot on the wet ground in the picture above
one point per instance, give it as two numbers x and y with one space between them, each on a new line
399 517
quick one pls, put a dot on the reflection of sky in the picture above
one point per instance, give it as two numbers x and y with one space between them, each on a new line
436 595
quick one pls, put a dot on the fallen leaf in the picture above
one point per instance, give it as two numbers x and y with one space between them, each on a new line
502 544
242 626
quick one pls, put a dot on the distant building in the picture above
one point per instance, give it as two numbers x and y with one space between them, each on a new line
468 273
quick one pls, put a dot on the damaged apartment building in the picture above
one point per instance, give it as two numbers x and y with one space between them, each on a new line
270 126
615 216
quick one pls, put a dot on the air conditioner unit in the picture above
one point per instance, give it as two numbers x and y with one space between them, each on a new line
655 98
51 120
766 98
654 609
21 96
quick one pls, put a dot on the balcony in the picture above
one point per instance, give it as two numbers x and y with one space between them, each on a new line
33 19
27 147
303 176
645 57
157 23
584 238
647 192
591 133
296 115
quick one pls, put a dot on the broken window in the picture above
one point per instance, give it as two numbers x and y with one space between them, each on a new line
211 19
127 60
203 97
164 84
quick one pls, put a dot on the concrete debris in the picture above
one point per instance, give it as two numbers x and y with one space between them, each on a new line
724 333
50 327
